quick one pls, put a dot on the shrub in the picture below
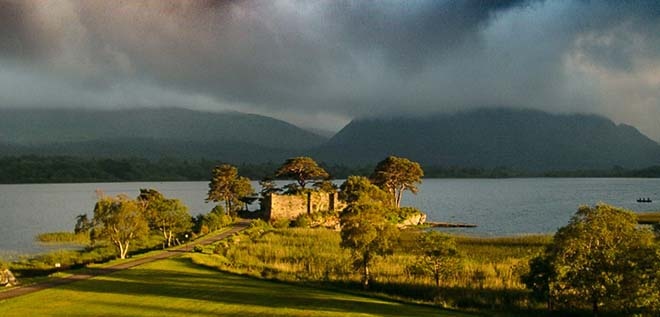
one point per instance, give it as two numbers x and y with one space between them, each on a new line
302 221
217 219
281 223
398 215
260 224
221 248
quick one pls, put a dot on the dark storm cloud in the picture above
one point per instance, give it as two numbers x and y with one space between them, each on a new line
320 63
411 33
15 34
617 31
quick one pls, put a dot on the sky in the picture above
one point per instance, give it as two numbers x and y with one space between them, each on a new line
319 64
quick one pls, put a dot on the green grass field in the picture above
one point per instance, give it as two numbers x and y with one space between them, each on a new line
176 287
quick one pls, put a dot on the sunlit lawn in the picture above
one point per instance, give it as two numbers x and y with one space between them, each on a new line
176 287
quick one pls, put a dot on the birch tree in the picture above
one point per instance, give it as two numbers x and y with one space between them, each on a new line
121 221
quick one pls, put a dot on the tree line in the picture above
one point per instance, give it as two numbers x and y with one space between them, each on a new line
63 169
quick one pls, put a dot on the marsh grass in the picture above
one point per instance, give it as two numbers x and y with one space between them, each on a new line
489 275
64 237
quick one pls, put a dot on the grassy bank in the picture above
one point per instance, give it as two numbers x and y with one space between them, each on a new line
176 287
489 276
649 217
64 237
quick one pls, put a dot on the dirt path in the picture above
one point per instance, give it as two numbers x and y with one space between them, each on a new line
22 290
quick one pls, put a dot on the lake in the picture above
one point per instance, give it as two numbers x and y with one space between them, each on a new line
497 206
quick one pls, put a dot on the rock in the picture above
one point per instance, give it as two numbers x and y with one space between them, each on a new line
7 278
413 220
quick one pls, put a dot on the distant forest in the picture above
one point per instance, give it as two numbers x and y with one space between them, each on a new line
64 169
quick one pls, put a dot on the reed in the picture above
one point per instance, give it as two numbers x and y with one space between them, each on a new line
488 277
64 237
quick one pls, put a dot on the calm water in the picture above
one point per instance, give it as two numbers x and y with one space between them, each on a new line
499 207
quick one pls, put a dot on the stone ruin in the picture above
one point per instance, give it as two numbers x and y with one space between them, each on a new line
291 206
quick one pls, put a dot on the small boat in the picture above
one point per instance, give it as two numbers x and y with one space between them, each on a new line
642 200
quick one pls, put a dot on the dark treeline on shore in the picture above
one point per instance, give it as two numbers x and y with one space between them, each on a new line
64 169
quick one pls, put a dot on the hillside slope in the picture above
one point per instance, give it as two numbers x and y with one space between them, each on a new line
152 133
525 139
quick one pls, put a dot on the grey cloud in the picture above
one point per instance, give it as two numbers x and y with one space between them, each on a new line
324 62
411 33
15 39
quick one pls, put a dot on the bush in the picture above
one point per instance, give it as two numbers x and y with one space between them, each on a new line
257 228
399 215
221 248
260 224
216 219
302 221
281 223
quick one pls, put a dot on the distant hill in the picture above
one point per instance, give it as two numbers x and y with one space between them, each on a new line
152 133
488 138
9 149
524 139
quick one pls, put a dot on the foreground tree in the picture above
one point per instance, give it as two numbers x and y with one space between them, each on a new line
396 175
169 216
368 234
121 221
601 260
226 186
437 255
302 169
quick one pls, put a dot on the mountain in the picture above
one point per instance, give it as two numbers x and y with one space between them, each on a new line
486 138
9 149
524 139
152 133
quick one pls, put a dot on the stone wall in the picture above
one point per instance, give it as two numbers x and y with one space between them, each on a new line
291 206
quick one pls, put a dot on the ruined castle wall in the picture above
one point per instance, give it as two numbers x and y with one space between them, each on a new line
291 206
